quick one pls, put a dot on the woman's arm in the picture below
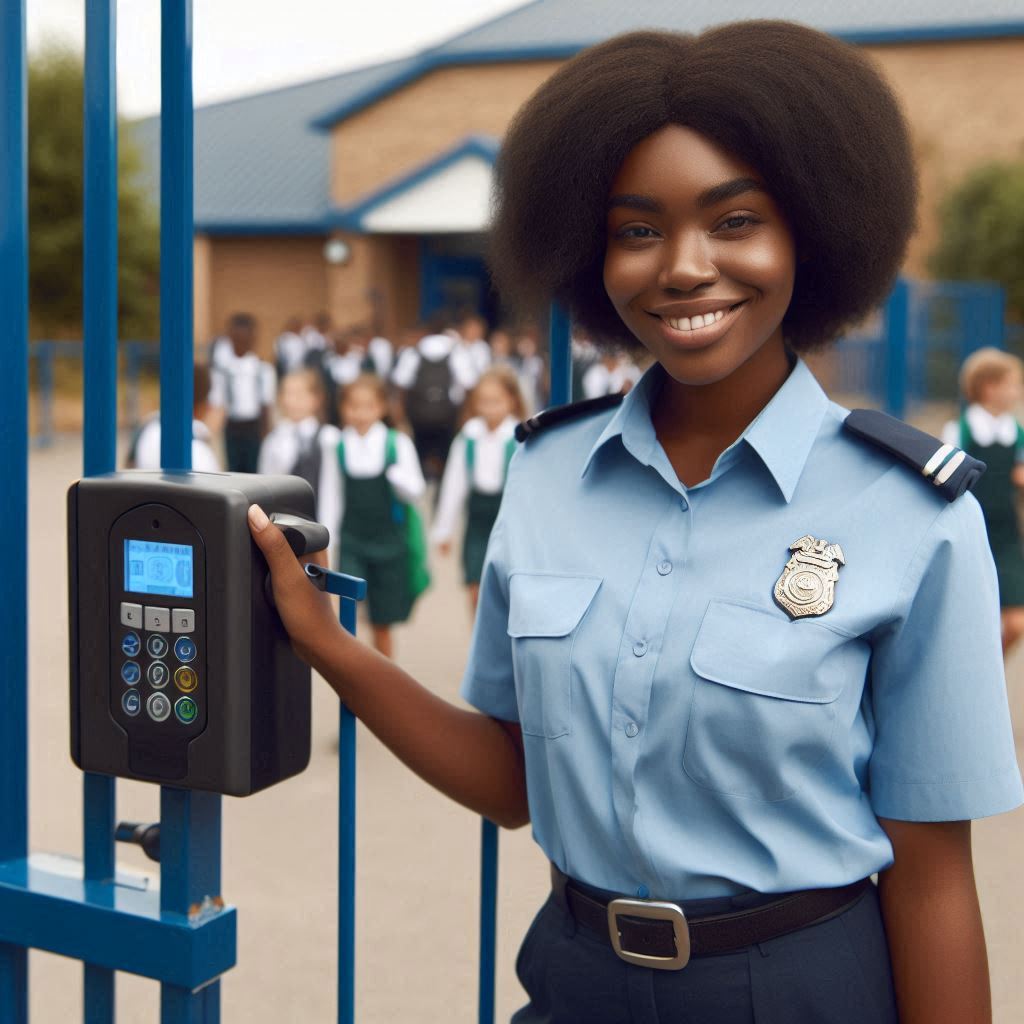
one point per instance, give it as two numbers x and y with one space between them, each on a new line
933 923
472 758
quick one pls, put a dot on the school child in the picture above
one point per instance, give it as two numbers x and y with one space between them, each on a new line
293 446
242 385
144 448
472 332
370 482
502 353
434 377
991 382
474 475
289 348
737 648
612 374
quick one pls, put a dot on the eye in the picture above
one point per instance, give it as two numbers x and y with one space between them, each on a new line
737 222
635 231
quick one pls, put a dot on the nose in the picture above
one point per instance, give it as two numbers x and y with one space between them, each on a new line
687 262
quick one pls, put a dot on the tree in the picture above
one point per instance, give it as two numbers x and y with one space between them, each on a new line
55 143
982 224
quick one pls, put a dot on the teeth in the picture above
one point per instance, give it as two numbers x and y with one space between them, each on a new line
693 323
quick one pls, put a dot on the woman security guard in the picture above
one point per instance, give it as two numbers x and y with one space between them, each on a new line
734 656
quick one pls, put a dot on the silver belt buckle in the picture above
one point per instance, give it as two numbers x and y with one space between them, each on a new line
658 912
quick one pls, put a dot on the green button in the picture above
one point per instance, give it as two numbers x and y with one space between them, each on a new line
186 709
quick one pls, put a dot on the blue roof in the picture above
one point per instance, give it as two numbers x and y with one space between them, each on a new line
560 28
260 166
263 161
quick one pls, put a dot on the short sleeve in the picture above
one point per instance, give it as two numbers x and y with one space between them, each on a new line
489 681
943 747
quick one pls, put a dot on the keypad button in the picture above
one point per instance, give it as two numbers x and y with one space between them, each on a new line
157 646
158 674
158 706
131 673
186 709
131 702
183 620
158 620
131 614
185 649
185 679
131 645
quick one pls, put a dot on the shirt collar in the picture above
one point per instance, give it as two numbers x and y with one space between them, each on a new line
782 434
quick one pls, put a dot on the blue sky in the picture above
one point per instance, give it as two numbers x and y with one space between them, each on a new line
244 46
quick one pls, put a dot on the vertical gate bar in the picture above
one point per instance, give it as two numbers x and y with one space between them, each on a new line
14 474
99 321
897 324
190 822
347 846
176 229
488 920
560 357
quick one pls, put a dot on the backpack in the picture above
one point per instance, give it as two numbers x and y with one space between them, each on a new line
415 534
428 402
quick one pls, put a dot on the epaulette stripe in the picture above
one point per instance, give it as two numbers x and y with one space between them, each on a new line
937 459
949 468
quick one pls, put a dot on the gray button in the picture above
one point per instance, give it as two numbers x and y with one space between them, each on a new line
158 674
183 620
632 729
640 648
159 707
157 646
158 620
664 568
131 614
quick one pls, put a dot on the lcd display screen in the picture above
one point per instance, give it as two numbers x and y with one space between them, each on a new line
152 567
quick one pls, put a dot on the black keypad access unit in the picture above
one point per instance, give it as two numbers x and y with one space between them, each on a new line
181 672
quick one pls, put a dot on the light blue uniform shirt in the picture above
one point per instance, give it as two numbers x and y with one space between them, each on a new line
684 737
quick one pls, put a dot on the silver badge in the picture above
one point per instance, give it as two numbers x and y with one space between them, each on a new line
807 585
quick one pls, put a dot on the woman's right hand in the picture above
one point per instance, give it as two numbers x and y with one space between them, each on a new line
307 613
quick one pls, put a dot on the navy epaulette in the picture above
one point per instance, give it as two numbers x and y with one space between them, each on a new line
949 468
562 413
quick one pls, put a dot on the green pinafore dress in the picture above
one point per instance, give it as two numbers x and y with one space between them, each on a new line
374 541
481 512
996 494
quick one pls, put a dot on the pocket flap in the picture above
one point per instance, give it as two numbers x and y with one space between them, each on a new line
542 604
753 650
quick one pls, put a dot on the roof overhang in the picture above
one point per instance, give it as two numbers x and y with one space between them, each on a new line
449 193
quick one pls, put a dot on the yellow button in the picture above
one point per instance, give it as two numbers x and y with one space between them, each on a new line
185 679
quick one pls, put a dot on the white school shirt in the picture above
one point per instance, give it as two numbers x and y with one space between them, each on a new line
281 447
436 347
365 455
489 460
147 447
290 350
599 380
985 428
243 385
344 367
383 355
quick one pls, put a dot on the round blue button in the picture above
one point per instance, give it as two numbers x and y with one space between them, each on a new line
131 644
131 702
643 892
185 649
131 673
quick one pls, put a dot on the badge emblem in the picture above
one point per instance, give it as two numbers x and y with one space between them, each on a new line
807 585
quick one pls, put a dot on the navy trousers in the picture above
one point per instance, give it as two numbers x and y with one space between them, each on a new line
835 972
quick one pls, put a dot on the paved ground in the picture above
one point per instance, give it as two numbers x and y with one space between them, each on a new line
418 852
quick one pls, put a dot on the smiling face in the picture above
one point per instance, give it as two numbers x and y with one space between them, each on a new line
699 261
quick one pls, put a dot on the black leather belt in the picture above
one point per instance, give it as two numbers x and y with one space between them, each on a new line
654 933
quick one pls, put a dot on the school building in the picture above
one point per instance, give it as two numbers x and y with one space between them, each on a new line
366 194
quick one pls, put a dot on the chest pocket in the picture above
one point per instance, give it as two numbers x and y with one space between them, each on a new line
763 709
545 612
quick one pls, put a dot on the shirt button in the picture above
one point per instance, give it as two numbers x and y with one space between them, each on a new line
632 729
640 648
682 504
664 568
643 892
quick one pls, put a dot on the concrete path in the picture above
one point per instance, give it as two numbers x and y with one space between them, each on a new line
418 852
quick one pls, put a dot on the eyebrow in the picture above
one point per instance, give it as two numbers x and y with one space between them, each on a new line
710 197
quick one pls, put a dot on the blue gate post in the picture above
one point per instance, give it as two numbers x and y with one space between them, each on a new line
190 822
99 284
14 474
897 338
